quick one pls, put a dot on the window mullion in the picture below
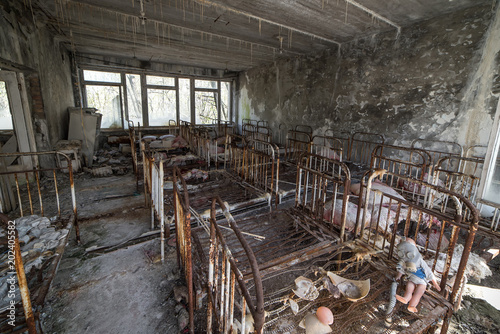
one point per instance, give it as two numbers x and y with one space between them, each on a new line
145 113
177 108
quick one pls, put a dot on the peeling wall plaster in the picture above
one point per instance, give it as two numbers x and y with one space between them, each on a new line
429 83
31 45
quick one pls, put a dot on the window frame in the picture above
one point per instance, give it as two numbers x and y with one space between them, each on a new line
144 89
121 87
491 158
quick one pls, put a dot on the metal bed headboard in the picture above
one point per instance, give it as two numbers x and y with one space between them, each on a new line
361 146
438 149
297 143
326 146
380 236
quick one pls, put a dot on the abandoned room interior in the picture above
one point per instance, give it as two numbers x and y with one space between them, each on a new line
216 166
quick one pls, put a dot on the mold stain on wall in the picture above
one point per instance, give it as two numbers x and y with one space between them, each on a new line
411 87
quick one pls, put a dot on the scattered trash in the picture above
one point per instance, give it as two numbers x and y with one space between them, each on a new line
305 288
351 289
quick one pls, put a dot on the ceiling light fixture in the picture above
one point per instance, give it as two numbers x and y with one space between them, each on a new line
143 17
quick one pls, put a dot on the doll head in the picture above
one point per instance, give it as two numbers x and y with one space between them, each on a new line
408 253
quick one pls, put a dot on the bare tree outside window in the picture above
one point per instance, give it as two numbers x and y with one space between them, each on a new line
5 115
106 99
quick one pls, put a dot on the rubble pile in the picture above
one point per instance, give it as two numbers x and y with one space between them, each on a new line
111 160
38 239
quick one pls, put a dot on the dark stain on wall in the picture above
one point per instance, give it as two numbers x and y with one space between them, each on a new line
410 87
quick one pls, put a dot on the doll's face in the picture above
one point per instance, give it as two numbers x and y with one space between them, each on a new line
407 252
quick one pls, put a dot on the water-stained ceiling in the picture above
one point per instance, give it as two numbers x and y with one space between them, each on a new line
228 34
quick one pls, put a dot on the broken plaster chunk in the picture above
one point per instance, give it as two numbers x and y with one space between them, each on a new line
25 239
305 288
50 236
52 244
36 232
351 289
102 171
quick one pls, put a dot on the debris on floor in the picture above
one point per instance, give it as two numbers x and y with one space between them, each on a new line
111 161
38 238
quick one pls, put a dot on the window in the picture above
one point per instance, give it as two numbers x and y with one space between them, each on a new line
134 98
155 100
103 91
225 101
212 101
106 99
162 100
492 188
185 100
5 115
101 76
490 178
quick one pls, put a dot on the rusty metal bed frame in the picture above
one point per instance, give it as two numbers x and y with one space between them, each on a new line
265 297
279 238
438 149
260 167
466 182
400 161
343 136
135 137
297 143
62 184
361 145
327 146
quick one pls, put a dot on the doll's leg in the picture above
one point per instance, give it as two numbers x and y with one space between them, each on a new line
410 286
419 292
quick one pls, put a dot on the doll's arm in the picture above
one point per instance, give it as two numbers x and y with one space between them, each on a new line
435 284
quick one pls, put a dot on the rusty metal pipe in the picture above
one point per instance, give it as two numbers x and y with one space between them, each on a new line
23 287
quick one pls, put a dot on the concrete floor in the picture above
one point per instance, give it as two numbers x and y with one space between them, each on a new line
106 285
122 291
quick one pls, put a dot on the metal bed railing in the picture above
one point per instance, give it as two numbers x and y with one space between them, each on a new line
371 256
438 149
303 128
23 199
361 146
343 136
466 183
55 189
297 143
326 146
408 218
400 161
263 133
183 240
262 167
249 130
249 258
